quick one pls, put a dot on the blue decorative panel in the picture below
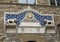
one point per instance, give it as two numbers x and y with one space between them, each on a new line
18 17
42 18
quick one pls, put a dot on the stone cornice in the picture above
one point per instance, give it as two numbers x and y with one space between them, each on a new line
29 4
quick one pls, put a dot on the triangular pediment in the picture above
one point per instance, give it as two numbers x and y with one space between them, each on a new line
29 14
29 8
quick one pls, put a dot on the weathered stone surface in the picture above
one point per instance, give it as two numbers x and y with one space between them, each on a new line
8 1
43 2
28 37
42 7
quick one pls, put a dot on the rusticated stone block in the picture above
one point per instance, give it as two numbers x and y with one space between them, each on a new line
9 1
43 2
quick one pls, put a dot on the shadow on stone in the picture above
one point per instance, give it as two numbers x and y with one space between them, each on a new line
31 41
58 25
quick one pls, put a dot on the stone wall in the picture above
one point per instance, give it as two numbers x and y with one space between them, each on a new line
43 2
27 37
6 6
8 1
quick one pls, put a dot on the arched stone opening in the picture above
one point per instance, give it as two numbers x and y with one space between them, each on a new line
31 41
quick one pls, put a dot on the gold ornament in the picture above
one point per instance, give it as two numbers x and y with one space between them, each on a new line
30 16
